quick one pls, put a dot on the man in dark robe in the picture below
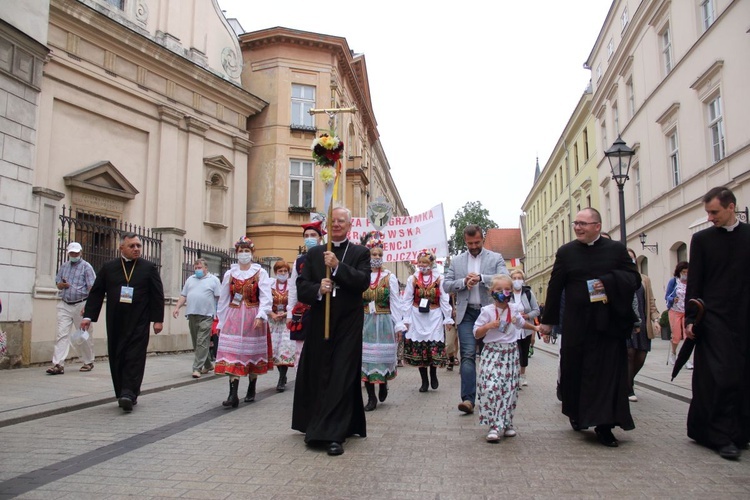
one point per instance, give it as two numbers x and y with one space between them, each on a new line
593 357
719 415
135 298
328 396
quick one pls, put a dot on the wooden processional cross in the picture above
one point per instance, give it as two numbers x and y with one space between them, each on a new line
331 112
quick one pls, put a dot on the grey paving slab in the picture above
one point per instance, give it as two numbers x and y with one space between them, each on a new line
179 442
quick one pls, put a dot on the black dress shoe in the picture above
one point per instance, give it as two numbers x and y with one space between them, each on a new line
606 437
729 451
575 425
335 449
125 403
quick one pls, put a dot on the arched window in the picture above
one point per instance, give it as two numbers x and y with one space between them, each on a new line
643 265
682 253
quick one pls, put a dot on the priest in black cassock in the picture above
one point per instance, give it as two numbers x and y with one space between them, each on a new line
327 395
719 414
135 298
593 357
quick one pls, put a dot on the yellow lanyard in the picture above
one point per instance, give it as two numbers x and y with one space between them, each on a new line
128 276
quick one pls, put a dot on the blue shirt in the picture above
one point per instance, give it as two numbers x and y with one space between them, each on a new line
201 295
80 276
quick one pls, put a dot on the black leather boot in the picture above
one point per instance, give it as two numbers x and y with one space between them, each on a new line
425 380
372 402
433 378
281 386
383 391
233 400
250 397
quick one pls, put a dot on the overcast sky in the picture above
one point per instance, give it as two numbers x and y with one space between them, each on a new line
466 94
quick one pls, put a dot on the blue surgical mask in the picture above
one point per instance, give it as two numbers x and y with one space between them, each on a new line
517 284
199 273
281 278
501 296
245 258
311 242
74 259
376 263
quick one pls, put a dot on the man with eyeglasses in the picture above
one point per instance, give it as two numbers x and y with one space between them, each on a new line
598 279
135 298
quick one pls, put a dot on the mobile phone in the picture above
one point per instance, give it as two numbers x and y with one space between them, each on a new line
64 280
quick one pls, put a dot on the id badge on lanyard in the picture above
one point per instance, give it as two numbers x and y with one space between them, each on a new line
126 291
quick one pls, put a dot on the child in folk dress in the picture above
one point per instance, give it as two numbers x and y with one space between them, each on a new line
499 325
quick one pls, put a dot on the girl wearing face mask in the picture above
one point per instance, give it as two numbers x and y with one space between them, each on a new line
524 298
500 325
297 313
284 348
426 312
675 298
382 327
244 340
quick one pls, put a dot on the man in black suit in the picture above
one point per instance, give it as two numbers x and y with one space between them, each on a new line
599 280
135 298
328 396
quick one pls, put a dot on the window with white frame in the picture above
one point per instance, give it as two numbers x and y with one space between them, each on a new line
673 149
303 100
120 4
301 180
605 144
631 97
610 48
707 13
608 208
616 118
716 129
585 145
666 49
598 72
637 186
575 157
624 19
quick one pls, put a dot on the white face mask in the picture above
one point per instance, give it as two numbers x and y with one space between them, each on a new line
517 284
245 258
282 278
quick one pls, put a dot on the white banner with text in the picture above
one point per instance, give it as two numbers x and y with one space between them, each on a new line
405 236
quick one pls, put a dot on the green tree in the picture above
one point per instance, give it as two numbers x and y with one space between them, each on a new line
471 213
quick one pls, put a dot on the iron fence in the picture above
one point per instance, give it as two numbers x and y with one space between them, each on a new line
218 260
99 236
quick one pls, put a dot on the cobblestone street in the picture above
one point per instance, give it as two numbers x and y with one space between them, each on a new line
179 442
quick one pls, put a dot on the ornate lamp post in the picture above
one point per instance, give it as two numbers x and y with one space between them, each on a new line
619 156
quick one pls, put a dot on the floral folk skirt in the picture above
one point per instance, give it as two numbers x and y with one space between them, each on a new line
497 393
427 353
284 348
243 350
379 349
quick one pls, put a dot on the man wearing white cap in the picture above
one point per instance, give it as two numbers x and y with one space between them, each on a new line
74 280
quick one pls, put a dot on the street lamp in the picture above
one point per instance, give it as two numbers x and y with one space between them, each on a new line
619 156
652 248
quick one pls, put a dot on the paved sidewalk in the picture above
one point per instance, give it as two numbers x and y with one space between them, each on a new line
29 393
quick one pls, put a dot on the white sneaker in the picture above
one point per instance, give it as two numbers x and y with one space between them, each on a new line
509 432
196 374
672 358
523 381
633 398
689 365
493 436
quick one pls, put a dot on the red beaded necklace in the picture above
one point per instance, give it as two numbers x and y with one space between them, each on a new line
279 288
424 283
374 284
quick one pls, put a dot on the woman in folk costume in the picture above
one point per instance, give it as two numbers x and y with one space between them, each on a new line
383 326
244 339
297 313
284 348
426 311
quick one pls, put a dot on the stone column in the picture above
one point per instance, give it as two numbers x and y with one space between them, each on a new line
172 239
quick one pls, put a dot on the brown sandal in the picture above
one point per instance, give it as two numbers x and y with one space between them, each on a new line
87 367
56 370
